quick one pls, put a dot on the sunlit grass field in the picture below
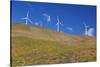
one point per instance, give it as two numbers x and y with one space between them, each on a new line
32 45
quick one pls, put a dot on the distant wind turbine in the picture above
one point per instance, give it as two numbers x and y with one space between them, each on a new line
86 29
58 24
27 18
47 16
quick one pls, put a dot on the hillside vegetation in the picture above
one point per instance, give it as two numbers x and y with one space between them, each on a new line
33 45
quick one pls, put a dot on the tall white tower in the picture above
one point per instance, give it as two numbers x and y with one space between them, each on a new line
58 24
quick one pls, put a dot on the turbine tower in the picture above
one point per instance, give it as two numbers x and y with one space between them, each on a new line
86 29
27 18
58 24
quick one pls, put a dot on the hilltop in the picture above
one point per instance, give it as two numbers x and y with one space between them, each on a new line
33 45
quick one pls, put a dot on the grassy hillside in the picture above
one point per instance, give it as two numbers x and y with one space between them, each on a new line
32 45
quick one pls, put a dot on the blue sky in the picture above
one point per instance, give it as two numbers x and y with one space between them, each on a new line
71 16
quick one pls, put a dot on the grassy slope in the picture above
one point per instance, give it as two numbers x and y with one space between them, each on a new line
33 45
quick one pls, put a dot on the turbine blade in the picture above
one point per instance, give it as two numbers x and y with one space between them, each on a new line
58 18
57 23
84 24
24 18
27 14
30 21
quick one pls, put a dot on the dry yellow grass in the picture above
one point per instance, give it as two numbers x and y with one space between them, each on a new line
33 45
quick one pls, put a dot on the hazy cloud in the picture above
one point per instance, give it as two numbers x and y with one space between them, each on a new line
90 32
36 23
69 28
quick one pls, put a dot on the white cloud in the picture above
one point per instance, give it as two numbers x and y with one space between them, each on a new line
36 23
47 16
90 32
69 28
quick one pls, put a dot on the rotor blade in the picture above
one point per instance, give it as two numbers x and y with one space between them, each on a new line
57 23
84 24
24 18
27 14
58 18
30 21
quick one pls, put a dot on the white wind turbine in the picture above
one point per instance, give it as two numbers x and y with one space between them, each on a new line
86 29
58 24
27 18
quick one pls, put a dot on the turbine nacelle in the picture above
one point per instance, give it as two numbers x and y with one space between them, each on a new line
59 24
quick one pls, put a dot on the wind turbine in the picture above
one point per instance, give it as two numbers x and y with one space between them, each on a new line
86 29
27 18
58 24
